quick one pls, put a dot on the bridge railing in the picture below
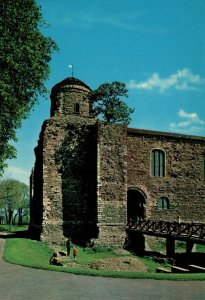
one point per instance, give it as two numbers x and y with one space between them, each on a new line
178 229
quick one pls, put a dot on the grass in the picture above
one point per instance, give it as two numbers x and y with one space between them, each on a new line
36 254
14 228
200 248
27 252
160 245
85 256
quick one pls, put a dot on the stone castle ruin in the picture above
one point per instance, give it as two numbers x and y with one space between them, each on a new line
90 178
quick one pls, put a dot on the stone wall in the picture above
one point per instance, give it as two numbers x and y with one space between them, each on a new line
112 183
69 179
36 190
87 174
66 94
63 203
183 183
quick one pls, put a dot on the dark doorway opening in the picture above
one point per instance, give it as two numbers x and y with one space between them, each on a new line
136 206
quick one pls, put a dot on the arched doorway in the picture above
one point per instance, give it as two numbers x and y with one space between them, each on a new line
136 206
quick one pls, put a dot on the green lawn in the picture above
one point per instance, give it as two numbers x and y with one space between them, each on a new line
36 254
27 252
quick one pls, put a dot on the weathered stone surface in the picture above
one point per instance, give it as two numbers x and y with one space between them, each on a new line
89 177
112 180
183 183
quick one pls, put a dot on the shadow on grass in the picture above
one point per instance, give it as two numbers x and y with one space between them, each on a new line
182 259
194 258
14 234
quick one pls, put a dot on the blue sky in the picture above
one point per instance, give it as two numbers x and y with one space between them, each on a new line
156 47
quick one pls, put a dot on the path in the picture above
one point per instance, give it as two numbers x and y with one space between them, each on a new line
19 283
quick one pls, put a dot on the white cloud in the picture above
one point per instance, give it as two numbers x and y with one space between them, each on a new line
91 18
192 117
191 123
17 173
182 80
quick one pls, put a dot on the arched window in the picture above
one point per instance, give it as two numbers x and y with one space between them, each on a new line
164 203
158 163
77 108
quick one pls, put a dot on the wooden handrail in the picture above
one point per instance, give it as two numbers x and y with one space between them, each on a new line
176 229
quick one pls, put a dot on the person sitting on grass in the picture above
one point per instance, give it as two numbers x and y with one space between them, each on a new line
55 260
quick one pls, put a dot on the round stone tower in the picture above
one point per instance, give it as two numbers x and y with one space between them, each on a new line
64 178
71 97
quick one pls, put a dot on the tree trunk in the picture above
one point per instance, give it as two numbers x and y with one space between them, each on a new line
10 219
20 222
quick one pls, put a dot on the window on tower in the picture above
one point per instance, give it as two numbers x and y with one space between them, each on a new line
77 108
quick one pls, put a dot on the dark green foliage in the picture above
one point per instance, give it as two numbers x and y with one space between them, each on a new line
107 103
24 57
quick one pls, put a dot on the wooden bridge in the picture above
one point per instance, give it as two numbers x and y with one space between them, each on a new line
179 231
191 233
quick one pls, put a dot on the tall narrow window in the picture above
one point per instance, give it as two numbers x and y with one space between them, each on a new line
77 108
158 163
203 167
164 203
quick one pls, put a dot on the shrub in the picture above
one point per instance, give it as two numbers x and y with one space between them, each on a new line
98 248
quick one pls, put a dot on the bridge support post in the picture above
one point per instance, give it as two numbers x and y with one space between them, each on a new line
136 242
190 247
139 244
170 247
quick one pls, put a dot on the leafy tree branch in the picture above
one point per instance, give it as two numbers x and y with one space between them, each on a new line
25 54
107 103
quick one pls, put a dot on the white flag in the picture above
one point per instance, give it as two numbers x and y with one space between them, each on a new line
70 66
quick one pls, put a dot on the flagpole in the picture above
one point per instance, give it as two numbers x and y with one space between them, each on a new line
71 67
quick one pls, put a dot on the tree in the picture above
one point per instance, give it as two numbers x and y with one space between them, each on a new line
25 54
22 207
14 200
107 103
